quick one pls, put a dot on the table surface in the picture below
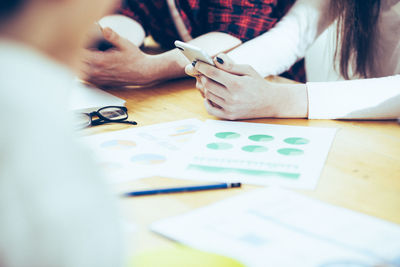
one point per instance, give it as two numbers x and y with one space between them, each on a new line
362 172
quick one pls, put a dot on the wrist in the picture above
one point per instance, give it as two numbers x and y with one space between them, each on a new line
140 70
293 101
168 65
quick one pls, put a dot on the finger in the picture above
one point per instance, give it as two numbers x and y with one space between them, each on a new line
223 62
213 87
199 86
93 58
83 70
94 69
116 40
214 111
93 35
214 99
214 105
214 73
191 71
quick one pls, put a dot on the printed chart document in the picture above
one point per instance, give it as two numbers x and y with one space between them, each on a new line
256 153
141 151
273 227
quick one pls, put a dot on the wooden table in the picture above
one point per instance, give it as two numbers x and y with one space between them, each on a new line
362 171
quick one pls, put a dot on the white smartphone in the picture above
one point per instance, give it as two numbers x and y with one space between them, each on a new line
193 53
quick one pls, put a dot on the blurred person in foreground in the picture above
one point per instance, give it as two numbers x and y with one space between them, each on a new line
54 208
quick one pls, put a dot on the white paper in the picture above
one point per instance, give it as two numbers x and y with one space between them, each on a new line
87 99
255 153
141 151
272 227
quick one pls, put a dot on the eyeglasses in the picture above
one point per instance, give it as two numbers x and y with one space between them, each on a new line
110 114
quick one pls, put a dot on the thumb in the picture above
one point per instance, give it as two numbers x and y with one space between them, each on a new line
191 71
223 62
115 39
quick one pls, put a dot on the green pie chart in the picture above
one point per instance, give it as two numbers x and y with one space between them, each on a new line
296 141
255 149
261 138
219 146
227 135
290 151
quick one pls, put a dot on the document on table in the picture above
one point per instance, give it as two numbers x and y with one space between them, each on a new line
141 151
85 98
256 153
273 227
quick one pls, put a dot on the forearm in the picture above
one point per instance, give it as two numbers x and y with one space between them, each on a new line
290 100
278 49
358 99
168 65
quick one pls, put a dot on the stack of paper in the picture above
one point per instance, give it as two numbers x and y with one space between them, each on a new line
87 99
272 227
250 153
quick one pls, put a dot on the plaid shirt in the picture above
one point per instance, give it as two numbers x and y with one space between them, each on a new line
244 19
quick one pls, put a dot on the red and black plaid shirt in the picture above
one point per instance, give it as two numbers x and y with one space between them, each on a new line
244 19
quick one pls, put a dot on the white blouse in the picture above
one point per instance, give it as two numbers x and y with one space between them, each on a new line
54 208
277 50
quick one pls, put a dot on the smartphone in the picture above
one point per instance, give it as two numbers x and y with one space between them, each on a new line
193 53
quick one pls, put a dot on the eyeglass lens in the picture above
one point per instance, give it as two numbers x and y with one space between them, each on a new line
113 113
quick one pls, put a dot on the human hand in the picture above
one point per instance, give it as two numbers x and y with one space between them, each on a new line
94 36
241 93
191 71
124 64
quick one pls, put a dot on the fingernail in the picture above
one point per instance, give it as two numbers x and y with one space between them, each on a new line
220 60
194 63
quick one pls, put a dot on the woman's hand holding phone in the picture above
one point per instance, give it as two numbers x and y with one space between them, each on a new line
235 92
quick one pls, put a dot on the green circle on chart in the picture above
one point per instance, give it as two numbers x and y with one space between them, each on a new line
227 135
255 149
261 138
296 141
219 146
290 151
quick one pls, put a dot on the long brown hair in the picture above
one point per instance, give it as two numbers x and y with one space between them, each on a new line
356 31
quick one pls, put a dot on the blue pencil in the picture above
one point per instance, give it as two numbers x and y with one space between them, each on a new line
182 189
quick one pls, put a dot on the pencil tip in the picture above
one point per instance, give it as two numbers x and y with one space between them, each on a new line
236 185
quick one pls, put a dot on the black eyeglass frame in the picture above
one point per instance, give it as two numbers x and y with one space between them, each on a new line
103 120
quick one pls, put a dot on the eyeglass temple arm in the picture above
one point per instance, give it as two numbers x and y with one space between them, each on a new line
100 122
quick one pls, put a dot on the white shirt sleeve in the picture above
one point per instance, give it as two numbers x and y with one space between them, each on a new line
377 98
275 51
